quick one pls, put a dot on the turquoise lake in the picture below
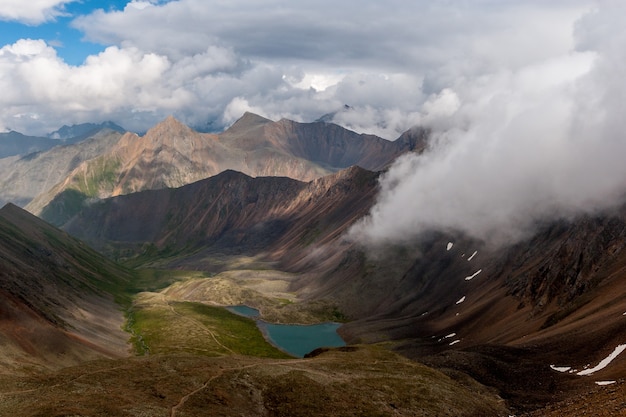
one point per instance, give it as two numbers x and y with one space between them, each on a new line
297 340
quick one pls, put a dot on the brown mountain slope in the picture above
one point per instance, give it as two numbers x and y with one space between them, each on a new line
328 145
57 296
25 177
506 315
531 291
230 213
503 316
525 292
172 155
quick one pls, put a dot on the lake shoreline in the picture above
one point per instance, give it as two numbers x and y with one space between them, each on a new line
294 339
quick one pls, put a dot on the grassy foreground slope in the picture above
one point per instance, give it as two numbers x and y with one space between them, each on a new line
364 381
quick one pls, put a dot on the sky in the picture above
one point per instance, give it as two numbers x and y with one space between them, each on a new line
208 61
524 99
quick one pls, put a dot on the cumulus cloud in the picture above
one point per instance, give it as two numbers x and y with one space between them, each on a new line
543 142
37 83
395 63
123 84
32 11
298 60
348 33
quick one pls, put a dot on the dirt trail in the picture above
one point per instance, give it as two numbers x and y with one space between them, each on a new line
221 372
184 399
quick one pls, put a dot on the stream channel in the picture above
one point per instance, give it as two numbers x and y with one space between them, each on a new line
295 339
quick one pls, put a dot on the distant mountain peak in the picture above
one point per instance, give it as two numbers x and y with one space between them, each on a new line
82 130
171 119
169 126
248 121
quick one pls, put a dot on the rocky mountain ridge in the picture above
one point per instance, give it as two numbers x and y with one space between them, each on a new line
78 132
25 177
14 143
511 317
229 213
541 281
172 154
57 311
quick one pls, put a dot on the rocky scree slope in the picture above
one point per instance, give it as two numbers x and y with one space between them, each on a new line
505 315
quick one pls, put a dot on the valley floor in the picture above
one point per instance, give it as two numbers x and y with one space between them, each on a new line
192 357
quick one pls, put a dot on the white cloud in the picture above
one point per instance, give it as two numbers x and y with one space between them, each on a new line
32 11
316 80
41 83
382 35
395 63
138 4
542 142
237 107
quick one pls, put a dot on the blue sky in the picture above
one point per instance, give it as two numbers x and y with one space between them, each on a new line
68 41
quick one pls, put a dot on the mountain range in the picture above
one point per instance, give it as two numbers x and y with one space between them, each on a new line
14 143
172 154
559 293
26 176
183 222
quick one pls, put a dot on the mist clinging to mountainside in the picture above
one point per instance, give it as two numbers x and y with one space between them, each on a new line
513 149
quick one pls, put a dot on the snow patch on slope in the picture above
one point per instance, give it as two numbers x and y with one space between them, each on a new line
604 362
474 275
589 371
601 383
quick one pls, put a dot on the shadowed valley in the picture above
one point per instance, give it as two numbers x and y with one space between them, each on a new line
186 224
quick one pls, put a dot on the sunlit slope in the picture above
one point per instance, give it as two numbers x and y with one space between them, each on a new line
26 176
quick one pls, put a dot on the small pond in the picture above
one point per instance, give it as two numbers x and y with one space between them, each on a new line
297 340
